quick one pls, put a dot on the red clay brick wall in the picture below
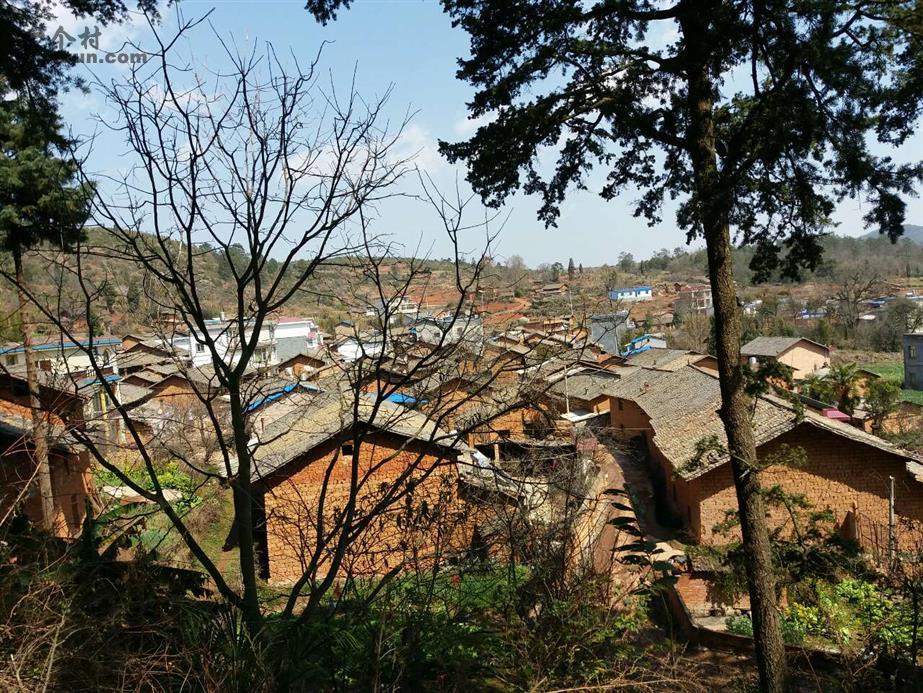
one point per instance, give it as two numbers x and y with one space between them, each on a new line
840 475
298 510
70 485
627 418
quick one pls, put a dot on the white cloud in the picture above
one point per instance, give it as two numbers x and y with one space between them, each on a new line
418 144
466 126
111 38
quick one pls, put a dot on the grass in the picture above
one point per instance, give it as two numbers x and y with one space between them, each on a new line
895 373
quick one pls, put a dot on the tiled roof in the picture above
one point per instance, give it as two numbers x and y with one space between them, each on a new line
130 359
586 385
295 434
663 359
683 409
772 346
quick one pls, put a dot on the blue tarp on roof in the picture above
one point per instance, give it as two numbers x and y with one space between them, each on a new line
278 394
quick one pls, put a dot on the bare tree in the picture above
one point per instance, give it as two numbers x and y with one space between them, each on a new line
854 287
280 176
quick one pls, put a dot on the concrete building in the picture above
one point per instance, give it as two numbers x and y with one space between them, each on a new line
62 356
446 328
295 336
631 293
607 330
913 361
694 298
278 340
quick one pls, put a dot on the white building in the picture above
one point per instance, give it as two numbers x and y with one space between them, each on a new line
631 293
63 356
396 306
295 336
278 341
360 346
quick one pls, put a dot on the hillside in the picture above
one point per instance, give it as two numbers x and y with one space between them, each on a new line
337 291
912 233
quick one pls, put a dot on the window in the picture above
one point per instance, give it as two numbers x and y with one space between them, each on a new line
347 450
621 405
912 351
11 359
199 348
75 509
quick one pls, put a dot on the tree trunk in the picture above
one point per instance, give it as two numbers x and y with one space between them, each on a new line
243 515
39 432
713 209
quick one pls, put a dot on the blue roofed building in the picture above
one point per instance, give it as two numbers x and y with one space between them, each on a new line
631 293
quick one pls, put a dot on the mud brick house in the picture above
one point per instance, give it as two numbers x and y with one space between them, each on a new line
71 482
802 355
664 359
307 365
138 353
845 469
586 392
311 463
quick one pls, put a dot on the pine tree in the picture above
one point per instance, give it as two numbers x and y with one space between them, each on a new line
39 204
571 269
758 115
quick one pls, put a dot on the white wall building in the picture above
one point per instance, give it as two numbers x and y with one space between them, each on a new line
278 340
62 357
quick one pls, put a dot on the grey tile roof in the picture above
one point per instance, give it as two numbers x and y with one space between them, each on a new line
663 359
772 346
683 409
296 433
586 385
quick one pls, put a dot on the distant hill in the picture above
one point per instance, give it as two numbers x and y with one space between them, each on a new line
912 232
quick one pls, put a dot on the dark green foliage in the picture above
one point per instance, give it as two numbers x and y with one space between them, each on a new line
30 62
882 399
593 81
40 200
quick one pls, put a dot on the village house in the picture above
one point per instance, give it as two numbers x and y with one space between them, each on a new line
693 298
307 365
303 466
607 330
912 346
139 353
295 336
71 481
553 289
63 357
844 469
585 394
802 355
630 294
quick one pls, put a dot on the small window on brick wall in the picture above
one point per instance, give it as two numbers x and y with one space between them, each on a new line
621 405
347 450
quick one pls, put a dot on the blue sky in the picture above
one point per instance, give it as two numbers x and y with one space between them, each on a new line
411 45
